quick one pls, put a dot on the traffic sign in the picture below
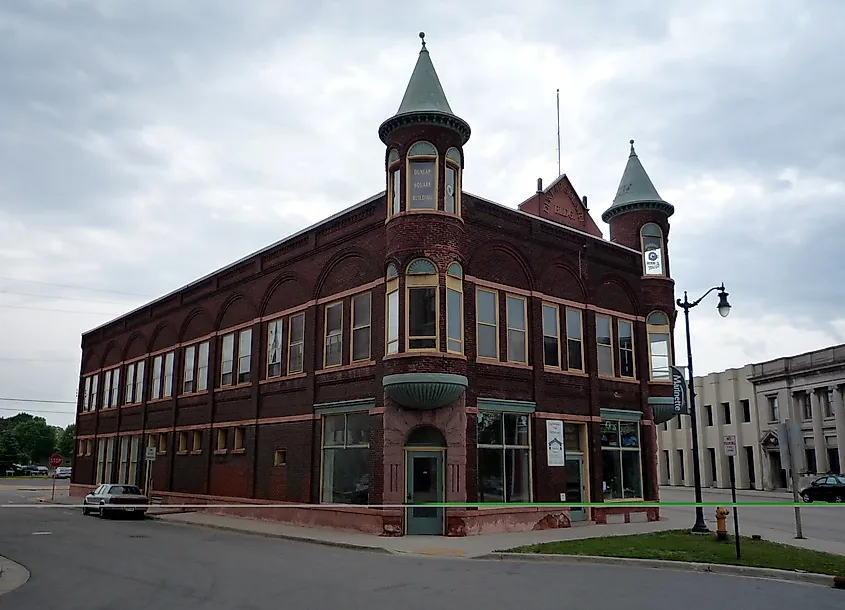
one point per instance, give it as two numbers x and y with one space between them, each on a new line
150 455
56 460
730 445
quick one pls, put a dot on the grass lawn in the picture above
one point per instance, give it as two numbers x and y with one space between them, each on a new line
680 545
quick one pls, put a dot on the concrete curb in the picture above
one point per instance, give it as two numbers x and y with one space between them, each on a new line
837 582
226 528
12 575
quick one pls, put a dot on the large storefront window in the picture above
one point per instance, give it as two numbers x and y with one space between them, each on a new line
346 458
621 460
504 463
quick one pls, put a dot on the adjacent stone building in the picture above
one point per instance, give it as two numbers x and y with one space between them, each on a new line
424 345
749 402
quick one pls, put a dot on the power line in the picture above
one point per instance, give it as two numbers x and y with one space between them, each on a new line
50 296
133 294
9 359
55 402
96 313
37 411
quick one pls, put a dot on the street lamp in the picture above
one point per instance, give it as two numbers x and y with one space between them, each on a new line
724 309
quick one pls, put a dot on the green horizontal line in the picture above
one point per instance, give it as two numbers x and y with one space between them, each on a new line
610 504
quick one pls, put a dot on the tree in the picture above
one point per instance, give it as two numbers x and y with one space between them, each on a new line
66 444
35 438
9 451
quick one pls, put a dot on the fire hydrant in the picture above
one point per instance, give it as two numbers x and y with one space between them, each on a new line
721 523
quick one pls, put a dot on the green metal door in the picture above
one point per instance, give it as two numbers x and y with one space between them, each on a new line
424 480
575 490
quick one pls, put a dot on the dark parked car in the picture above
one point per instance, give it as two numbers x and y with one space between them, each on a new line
110 499
829 488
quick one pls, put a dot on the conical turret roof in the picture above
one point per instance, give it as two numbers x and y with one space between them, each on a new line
424 101
636 191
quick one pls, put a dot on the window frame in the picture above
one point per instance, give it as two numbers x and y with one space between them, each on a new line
222 435
504 446
236 358
345 445
394 173
277 324
661 247
417 281
410 159
556 309
326 335
196 441
291 344
659 329
620 450
579 340
455 284
632 350
454 166
188 372
197 377
495 325
610 345
183 442
391 288
168 375
524 330
157 381
239 443
369 326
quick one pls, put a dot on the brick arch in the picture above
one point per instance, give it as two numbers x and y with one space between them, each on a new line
615 293
236 309
135 346
163 336
111 355
197 323
560 280
285 291
501 262
90 361
333 277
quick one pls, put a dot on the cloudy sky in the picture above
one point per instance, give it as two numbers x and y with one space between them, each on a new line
144 144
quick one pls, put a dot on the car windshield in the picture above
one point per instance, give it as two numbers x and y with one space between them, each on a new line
124 490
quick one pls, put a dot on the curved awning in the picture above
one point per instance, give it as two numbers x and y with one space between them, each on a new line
424 391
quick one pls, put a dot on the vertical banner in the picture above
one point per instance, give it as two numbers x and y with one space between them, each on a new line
554 443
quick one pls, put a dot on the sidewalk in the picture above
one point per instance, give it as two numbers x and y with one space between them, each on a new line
467 547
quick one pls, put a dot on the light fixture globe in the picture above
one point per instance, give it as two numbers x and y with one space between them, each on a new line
724 307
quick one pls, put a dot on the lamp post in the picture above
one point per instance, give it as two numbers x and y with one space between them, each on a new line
724 309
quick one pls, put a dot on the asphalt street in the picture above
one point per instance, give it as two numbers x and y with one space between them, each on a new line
81 562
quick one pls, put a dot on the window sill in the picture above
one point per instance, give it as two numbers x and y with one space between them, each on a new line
559 371
425 353
221 451
631 380
197 452
345 367
131 404
192 394
278 378
87 412
233 387
513 365
661 381
656 277
406 213
238 451
158 400
181 453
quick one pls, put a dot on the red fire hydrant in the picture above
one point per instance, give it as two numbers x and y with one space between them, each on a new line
721 523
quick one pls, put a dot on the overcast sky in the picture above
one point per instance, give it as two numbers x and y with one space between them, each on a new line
145 144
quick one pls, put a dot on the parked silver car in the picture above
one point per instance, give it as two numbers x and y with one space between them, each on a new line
110 499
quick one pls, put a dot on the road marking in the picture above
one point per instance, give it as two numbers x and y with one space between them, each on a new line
41 533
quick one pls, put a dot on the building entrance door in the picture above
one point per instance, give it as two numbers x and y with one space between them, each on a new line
575 490
424 483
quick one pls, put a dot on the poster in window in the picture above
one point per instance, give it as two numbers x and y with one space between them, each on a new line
653 262
554 443
422 185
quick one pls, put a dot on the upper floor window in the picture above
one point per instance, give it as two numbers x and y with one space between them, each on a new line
422 177
162 373
574 340
828 399
296 343
195 368
89 393
361 326
659 347
774 411
652 247
604 345
394 182
452 188
391 330
454 309
625 331
275 347
235 363
333 335
134 391
111 384
517 333
277 344
487 323
551 335
422 305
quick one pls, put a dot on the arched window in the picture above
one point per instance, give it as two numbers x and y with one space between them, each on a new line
422 177
421 298
394 183
651 240
452 190
391 330
659 346
454 309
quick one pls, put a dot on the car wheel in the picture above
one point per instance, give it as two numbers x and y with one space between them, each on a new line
806 497
102 513
86 511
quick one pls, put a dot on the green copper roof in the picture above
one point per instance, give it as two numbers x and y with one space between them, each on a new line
636 191
424 101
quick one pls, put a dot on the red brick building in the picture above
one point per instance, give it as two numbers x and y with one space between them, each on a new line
425 344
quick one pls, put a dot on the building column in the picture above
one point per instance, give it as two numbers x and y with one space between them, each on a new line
839 414
818 432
